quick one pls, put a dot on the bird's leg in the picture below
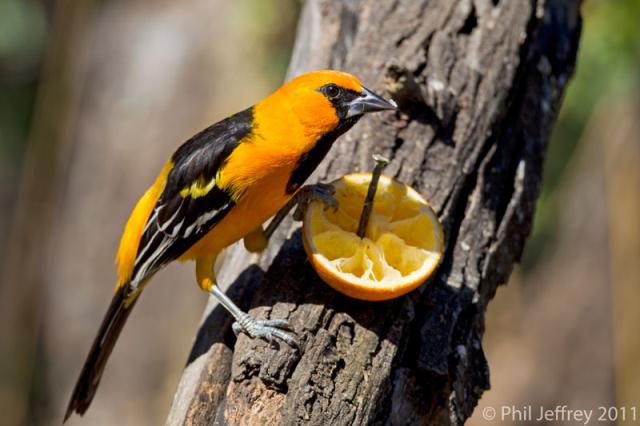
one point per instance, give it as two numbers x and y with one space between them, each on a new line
265 329
253 327
308 193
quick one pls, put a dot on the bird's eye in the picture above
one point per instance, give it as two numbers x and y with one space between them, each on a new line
332 91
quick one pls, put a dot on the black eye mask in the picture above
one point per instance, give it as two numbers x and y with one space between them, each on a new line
339 97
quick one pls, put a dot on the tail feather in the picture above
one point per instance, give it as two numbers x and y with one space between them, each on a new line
91 373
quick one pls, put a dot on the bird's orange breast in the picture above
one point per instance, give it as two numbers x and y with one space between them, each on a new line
260 201
257 173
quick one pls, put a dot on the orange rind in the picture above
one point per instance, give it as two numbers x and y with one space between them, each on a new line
402 245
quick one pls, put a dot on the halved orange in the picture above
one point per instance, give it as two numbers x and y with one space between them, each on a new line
402 246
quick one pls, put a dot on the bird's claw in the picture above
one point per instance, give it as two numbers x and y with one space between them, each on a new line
266 329
323 192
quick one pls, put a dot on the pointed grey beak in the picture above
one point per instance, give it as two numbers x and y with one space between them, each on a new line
369 102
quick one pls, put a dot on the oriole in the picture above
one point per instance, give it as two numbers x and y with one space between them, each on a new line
222 185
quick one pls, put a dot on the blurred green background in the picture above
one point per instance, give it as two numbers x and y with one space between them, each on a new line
84 85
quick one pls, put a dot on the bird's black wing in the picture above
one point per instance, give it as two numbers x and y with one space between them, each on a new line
191 203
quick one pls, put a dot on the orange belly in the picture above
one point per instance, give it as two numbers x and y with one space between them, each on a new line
261 201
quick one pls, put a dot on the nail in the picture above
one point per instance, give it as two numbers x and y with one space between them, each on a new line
381 163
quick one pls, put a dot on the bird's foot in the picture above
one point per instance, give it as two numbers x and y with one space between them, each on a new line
266 329
317 192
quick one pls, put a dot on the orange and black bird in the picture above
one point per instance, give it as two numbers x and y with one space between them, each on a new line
220 186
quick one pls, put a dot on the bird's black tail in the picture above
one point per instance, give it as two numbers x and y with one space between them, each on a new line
110 329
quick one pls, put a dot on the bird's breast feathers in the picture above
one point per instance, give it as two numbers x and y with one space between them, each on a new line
218 186
256 175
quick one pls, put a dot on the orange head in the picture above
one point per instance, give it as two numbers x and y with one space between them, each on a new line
328 101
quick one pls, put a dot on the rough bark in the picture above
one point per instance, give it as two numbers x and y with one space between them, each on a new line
479 83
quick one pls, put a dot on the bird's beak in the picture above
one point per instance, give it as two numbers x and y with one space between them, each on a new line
369 102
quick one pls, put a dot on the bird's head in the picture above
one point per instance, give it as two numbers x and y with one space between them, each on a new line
326 101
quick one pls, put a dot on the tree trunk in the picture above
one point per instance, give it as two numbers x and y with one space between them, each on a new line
478 83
